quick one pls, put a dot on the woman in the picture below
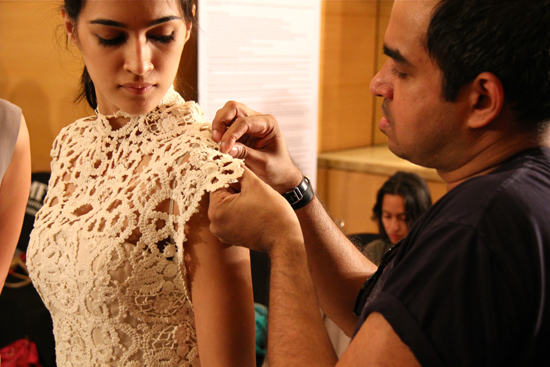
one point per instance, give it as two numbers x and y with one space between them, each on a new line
15 181
121 251
399 203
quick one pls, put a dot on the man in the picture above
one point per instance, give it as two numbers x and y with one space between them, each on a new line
466 91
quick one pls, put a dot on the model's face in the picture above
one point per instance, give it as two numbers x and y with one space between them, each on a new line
420 125
131 49
394 218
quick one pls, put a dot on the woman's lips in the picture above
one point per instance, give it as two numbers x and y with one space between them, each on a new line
137 88
395 237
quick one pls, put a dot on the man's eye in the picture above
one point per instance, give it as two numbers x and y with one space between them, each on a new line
399 74
111 41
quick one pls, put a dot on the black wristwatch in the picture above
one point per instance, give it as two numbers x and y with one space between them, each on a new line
301 195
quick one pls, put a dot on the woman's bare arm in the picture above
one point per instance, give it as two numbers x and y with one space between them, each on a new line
221 290
14 193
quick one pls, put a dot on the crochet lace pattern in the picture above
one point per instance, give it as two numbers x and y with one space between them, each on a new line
106 253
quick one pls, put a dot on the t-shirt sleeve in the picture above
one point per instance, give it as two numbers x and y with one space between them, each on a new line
453 299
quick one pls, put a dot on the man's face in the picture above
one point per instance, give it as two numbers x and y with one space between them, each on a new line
420 125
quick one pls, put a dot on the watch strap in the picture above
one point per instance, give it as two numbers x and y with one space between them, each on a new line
301 195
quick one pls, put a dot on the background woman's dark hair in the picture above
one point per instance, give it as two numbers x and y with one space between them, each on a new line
415 193
509 38
87 90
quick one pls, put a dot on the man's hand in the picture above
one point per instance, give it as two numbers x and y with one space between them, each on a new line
253 215
256 138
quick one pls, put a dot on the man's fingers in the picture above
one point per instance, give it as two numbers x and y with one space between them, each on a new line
255 130
224 203
226 116
223 196
234 132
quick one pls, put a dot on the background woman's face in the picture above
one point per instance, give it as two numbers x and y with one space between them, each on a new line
131 49
394 218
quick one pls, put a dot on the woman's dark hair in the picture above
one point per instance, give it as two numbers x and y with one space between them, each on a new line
87 90
415 193
508 38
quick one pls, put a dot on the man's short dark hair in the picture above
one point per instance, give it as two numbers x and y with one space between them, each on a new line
509 38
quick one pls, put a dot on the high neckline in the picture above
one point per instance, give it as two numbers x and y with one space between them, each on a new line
134 121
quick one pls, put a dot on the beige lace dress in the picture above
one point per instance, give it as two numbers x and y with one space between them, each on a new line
106 253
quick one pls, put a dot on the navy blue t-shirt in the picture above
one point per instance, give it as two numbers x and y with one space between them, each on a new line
469 286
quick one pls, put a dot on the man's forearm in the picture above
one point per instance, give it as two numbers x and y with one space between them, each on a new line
297 333
337 268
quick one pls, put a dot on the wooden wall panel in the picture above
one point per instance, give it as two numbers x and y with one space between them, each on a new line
348 30
350 196
38 73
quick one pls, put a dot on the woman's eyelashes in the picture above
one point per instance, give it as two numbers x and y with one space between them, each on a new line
163 39
116 41
120 39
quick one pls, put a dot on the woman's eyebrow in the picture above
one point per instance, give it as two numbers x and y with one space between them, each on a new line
163 20
113 23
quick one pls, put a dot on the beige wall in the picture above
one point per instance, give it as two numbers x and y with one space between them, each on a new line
41 75
38 73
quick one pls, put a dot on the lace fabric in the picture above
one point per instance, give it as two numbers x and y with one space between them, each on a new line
106 253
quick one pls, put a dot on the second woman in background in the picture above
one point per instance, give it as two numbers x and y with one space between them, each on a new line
399 203
121 252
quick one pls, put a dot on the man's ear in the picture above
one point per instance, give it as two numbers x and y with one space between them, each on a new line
486 100
70 26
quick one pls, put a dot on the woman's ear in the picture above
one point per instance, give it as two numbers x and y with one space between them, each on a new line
70 26
486 100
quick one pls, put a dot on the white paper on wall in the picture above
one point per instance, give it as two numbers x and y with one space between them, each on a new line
265 54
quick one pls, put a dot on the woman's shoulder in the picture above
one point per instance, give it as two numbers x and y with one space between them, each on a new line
184 122
77 127
72 133
195 134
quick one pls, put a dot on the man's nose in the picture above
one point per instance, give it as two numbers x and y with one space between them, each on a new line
380 84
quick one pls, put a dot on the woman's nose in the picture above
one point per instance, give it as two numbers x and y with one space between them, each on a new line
138 57
380 84
395 225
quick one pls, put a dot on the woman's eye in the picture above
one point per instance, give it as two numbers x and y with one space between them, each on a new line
116 41
163 39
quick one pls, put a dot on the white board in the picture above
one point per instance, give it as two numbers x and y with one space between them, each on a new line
265 54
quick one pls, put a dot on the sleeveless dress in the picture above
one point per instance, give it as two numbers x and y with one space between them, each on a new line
10 121
105 254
